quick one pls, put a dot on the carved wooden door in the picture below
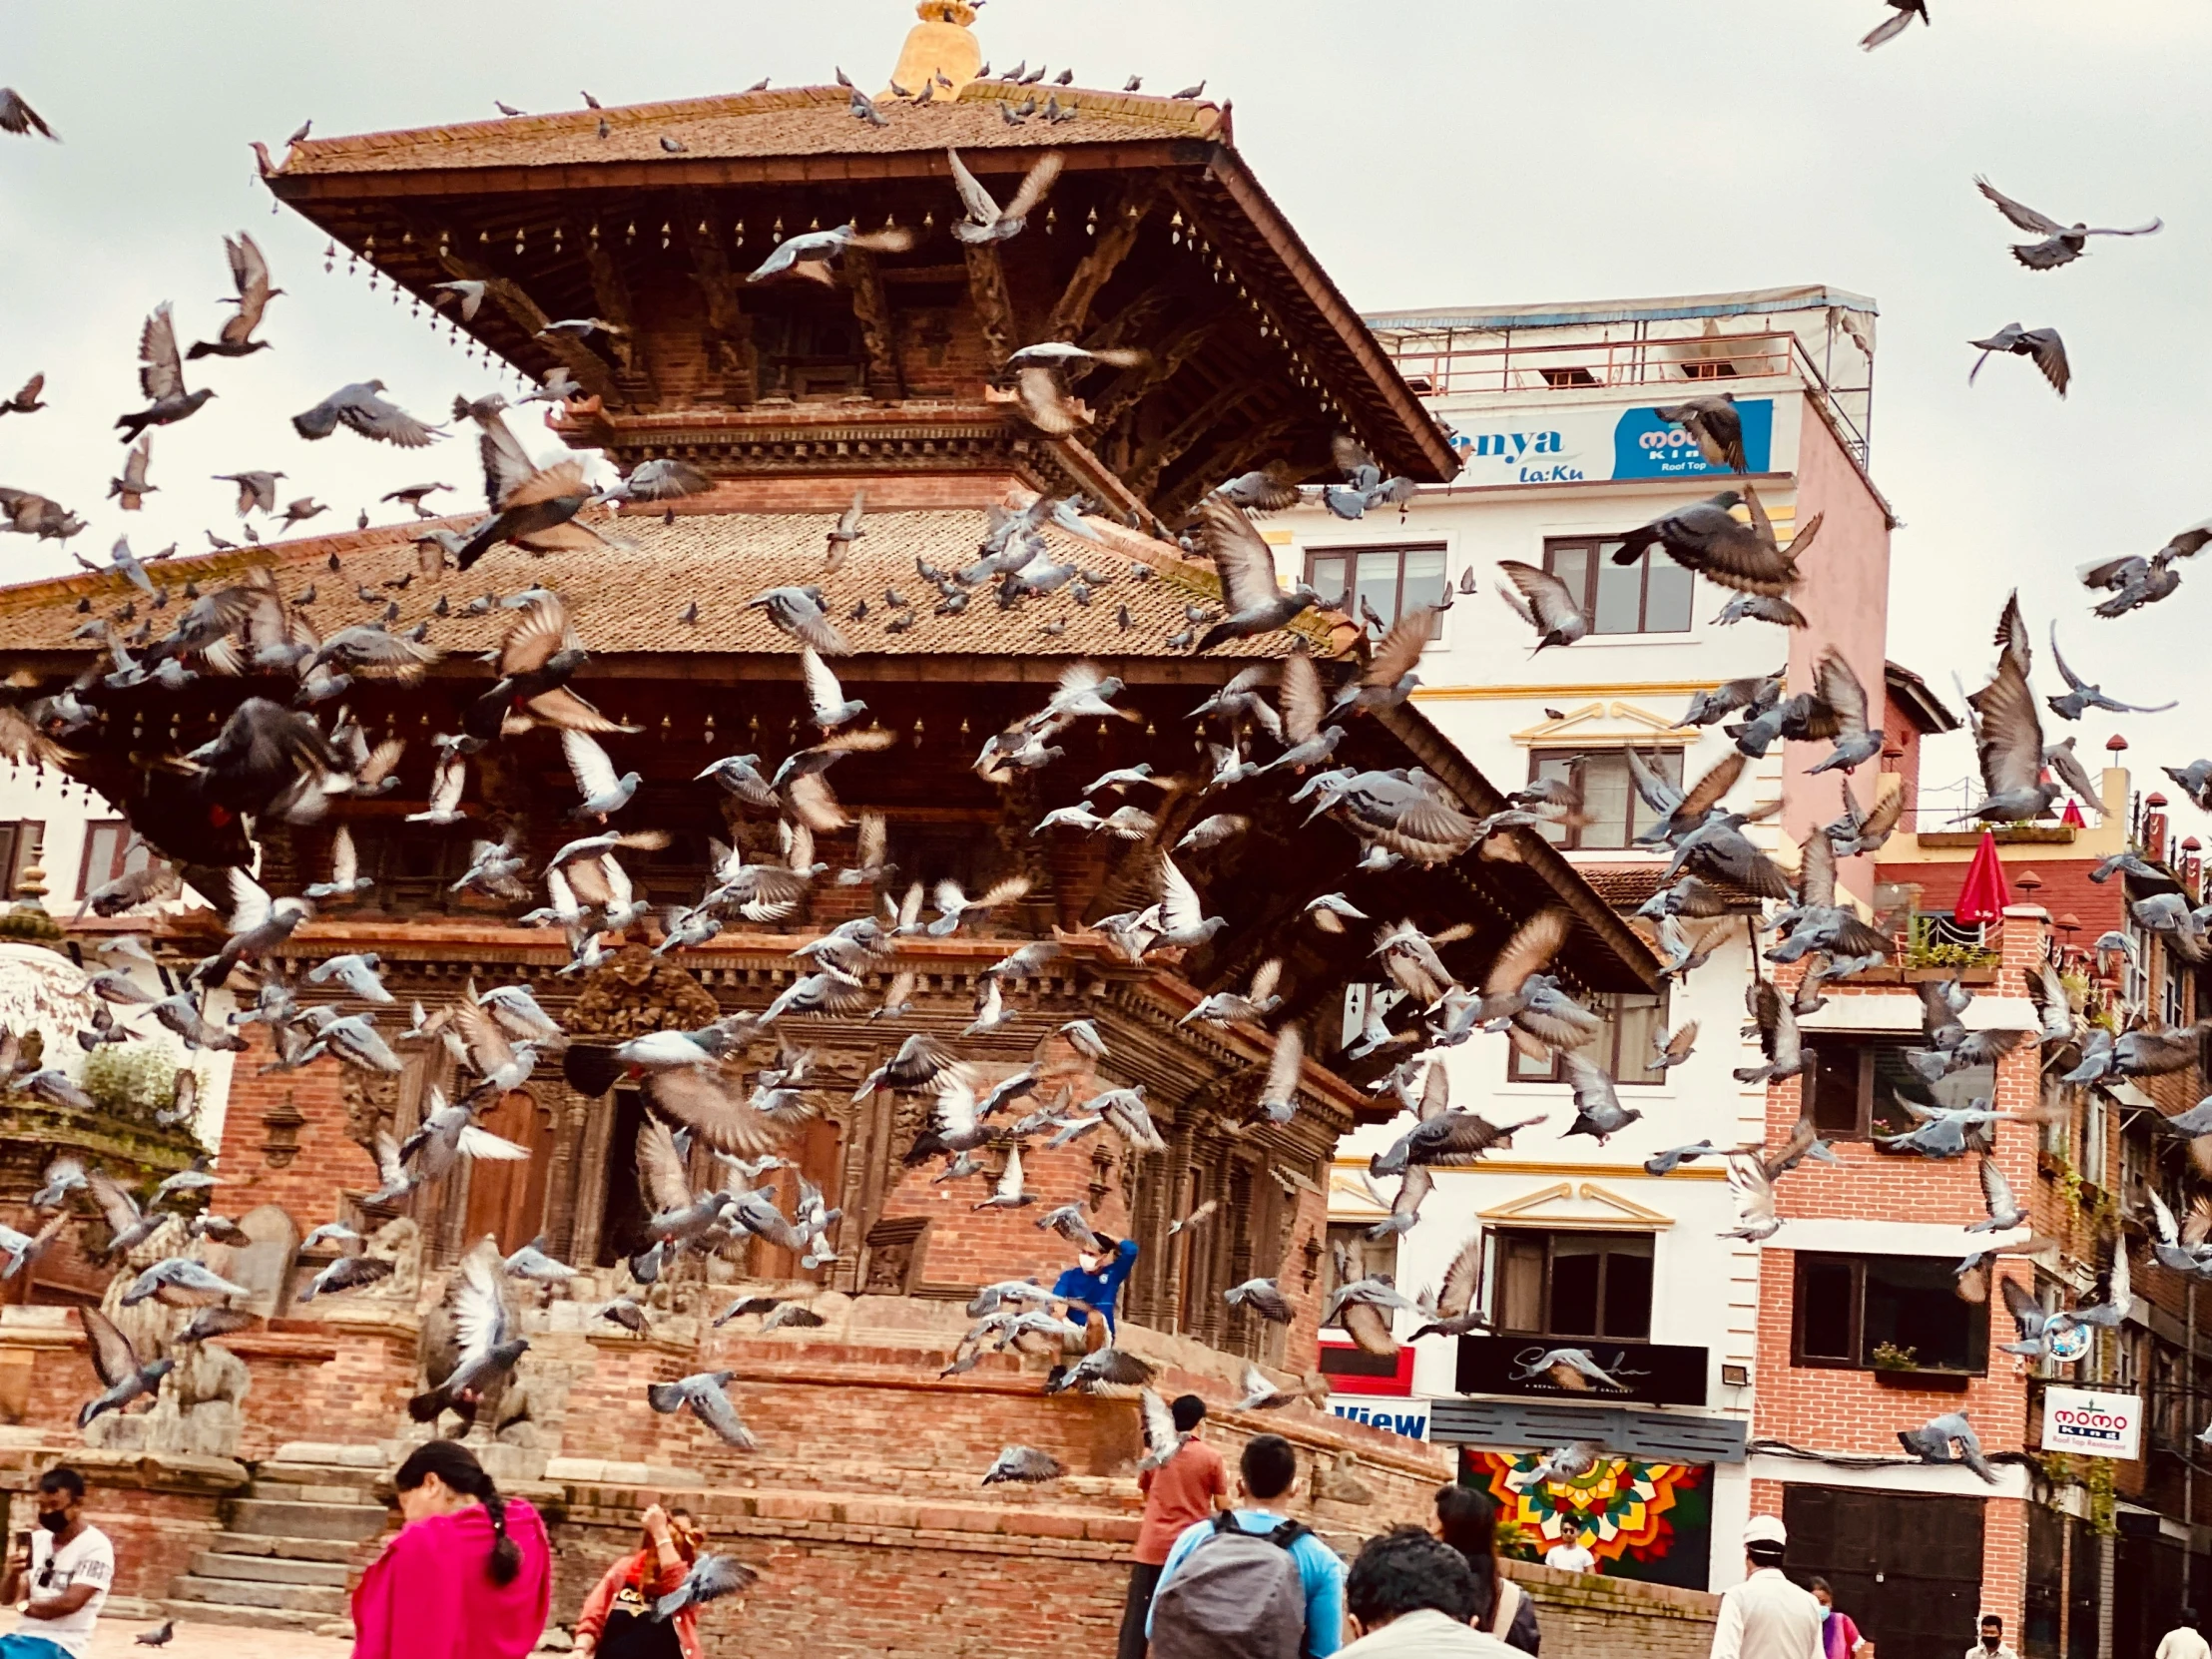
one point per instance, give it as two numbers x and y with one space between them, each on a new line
507 1198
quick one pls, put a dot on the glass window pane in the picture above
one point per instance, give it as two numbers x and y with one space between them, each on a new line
1667 763
1823 1304
1832 1088
1575 1267
1531 1068
1911 1306
1560 767
1636 1021
1379 584
102 842
1329 579
1572 566
1667 594
1521 1283
1628 1296
1620 596
1605 799
1426 582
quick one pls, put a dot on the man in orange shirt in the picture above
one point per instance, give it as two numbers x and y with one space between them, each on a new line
1185 1490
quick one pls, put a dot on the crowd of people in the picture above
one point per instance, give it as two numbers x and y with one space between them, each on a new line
1216 1573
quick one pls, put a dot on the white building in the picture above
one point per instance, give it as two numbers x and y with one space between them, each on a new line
1552 408
65 842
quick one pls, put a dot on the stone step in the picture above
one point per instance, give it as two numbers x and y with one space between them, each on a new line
289 1549
298 1492
279 1520
256 1618
268 1569
321 1474
320 1599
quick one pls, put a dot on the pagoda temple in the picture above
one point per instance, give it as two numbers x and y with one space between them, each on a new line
884 379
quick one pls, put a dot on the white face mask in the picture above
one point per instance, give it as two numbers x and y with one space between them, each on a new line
1090 1263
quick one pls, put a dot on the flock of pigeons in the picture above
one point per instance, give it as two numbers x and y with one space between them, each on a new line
278 763
275 761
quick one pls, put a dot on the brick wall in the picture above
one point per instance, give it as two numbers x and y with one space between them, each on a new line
1585 1616
158 1512
2067 890
306 1175
1855 1412
891 1577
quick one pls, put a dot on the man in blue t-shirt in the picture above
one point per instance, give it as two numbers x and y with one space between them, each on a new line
1266 1474
1098 1280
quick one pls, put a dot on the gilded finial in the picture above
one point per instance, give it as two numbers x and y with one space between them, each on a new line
940 50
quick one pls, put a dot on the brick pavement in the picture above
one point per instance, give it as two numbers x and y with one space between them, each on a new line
113 1640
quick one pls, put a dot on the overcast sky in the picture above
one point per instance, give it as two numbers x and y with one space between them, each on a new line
1429 151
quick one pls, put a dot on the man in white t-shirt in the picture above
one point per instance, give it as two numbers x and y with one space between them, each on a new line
2184 1641
67 1577
1571 1556
1767 1616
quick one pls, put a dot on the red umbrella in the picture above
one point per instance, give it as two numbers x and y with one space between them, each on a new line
2071 817
1983 897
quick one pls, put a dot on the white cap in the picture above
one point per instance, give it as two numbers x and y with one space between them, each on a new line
1766 1529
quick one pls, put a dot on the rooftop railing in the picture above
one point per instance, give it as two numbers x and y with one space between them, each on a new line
1470 363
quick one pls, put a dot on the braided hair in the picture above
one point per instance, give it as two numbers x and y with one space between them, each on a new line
457 1466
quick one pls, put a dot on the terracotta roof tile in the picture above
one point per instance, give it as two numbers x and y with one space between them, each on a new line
792 121
1625 886
626 597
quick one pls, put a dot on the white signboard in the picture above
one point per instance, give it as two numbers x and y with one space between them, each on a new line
1409 1417
2086 1424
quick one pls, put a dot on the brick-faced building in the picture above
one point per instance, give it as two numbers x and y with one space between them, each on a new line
1862 1329
862 1507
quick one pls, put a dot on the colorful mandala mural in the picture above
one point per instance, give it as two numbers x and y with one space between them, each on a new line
1623 1511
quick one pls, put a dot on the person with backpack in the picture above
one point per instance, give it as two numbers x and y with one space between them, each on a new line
1468 1522
1178 1494
1412 1596
1250 1583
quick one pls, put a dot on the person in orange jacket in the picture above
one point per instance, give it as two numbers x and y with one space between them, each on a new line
617 1622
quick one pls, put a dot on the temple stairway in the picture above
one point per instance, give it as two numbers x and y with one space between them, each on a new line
281 1561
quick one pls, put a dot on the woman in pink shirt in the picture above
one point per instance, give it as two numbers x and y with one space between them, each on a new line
468 1577
1839 1634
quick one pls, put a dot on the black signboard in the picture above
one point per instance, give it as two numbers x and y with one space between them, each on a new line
1581 1371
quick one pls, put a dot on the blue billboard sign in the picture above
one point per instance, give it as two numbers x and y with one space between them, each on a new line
1578 445
1644 446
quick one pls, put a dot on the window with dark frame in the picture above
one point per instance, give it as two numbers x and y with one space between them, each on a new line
1634 1020
107 855
1616 813
19 843
1886 1312
1393 580
1570 1282
1574 375
1380 1255
1651 596
1854 1087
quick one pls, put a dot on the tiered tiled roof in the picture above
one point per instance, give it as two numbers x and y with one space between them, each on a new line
627 598
790 122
